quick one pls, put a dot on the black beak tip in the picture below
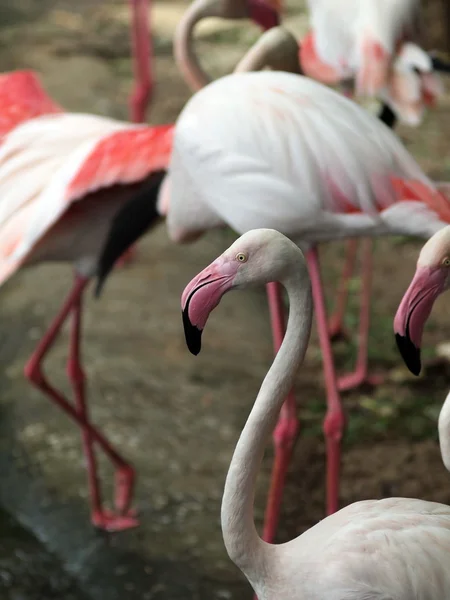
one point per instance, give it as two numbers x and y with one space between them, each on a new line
192 334
409 352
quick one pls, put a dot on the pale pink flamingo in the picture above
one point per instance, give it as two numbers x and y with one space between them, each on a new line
368 45
75 188
275 149
90 191
431 279
372 550
264 13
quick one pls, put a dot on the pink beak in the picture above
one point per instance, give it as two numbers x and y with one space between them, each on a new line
263 14
413 312
202 295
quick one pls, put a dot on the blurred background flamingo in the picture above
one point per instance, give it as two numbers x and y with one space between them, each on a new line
90 195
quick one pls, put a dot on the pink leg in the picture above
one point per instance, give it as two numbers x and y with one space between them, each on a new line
33 371
286 430
336 323
334 422
142 62
361 375
142 58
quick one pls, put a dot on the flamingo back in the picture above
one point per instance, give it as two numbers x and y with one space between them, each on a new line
277 150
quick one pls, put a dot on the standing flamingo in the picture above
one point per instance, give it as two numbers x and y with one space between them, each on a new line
431 279
264 13
372 550
89 192
367 45
272 149
92 188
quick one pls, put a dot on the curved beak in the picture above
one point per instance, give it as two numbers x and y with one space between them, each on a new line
201 296
265 13
413 312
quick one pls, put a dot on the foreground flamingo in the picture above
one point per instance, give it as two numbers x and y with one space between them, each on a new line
375 549
431 279
89 192
274 149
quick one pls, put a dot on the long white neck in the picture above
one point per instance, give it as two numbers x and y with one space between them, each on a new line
444 432
244 546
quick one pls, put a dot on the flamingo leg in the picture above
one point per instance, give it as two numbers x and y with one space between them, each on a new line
336 323
33 371
360 375
142 59
142 65
285 433
334 422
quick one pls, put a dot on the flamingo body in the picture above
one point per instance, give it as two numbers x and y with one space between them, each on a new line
271 148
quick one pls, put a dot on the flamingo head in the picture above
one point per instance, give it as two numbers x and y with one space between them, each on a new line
432 277
256 258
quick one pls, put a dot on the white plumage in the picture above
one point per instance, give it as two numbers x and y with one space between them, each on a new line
272 149
391 549
342 27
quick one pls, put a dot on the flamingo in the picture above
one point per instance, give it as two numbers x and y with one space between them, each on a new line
374 549
90 191
368 45
431 279
93 186
264 13
273 149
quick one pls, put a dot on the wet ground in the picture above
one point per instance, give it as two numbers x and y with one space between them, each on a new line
176 418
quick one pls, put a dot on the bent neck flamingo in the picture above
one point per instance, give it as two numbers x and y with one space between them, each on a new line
264 13
391 548
273 149
431 279
96 188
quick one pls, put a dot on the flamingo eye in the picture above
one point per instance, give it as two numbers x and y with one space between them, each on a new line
241 257
446 262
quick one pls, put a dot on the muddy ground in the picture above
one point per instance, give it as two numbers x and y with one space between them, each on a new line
173 416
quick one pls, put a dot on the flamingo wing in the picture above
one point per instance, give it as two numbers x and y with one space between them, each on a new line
278 150
65 157
21 98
